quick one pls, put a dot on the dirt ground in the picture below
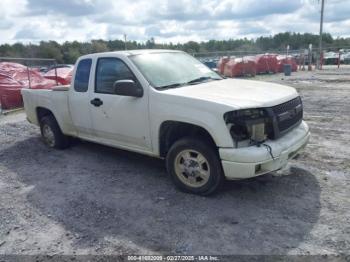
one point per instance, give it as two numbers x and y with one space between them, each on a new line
91 199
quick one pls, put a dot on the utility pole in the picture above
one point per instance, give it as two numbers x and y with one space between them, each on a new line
309 66
321 32
125 41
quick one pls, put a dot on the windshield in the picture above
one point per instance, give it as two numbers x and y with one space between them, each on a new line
172 69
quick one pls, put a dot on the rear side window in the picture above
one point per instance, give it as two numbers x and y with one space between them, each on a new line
82 75
108 71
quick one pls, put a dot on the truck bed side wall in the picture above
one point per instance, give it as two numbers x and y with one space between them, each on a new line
55 101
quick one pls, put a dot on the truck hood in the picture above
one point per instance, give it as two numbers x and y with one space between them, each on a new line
237 93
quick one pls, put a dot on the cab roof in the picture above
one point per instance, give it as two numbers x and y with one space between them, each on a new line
131 52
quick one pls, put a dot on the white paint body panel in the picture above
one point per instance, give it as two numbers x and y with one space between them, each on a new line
239 163
80 109
237 93
121 120
134 123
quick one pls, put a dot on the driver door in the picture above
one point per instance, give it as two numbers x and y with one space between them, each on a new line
120 121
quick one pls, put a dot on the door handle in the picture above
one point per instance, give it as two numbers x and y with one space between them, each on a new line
96 102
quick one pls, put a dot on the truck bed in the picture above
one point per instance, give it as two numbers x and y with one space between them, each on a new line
54 100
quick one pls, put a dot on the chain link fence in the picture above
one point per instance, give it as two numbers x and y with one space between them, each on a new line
304 57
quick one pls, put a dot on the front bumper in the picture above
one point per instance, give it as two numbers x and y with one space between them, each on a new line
240 163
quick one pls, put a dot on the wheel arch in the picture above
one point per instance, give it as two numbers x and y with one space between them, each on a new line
171 131
42 112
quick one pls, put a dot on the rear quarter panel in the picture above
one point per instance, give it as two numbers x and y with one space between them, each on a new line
55 101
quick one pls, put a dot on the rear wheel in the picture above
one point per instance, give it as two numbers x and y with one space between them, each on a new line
194 166
52 134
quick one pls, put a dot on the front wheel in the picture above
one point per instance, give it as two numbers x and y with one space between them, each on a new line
194 166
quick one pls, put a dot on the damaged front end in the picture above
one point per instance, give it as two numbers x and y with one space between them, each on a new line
254 126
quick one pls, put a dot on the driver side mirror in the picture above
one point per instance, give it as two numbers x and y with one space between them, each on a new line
127 88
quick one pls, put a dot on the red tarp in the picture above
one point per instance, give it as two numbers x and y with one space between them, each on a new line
240 67
251 65
266 63
64 75
282 60
14 77
10 92
221 64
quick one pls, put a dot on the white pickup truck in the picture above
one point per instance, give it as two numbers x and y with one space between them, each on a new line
167 104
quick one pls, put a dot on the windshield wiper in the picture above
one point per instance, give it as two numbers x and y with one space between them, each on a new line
171 86
194 81
202 79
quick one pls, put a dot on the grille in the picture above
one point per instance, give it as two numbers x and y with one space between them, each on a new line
286 106
287 116
286 124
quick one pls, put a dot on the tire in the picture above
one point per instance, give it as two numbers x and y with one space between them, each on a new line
52 134
194 166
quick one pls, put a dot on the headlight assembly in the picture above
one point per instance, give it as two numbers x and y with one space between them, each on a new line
247 124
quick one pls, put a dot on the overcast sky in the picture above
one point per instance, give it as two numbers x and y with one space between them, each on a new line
165 20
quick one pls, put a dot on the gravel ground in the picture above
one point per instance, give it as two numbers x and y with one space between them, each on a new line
91 199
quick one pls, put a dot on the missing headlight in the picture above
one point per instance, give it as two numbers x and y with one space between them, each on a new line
247 124
257 132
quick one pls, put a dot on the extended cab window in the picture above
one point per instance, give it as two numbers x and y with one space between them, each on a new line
108 71
82 76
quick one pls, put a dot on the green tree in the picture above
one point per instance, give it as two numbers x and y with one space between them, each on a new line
50 49
68 52
99 46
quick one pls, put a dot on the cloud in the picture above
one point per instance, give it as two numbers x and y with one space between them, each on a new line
5 24
255 9
9 8
41 31
165 20
254 29
69 8
337 11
